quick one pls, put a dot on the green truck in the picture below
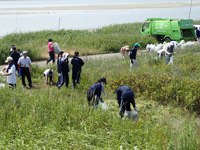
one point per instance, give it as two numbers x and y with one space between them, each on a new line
170 29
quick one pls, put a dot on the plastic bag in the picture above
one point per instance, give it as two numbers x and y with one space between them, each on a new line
56 48
2 85
159 47
131 115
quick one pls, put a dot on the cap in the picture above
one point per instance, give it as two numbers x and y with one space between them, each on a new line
24 52
195 27
65 55
103 80
127 48
136 45
9 59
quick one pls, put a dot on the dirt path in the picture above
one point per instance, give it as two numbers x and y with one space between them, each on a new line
100 56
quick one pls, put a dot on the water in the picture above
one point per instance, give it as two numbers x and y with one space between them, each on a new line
36 3
83 19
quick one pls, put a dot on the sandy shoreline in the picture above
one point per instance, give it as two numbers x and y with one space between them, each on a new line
103 7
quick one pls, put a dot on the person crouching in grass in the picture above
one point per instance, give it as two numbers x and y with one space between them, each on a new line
10 72
94 92
48 75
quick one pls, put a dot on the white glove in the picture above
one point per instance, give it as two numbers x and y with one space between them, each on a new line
59 74
69 73
136 109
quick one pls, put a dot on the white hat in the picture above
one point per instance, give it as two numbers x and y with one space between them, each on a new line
9 59
65 55
24 52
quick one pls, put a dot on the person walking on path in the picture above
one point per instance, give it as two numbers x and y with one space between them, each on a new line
125 96
77 63
48 73
15 55
133 53
197 35
65 70
59 68
10 72
95 90
25 64
51 51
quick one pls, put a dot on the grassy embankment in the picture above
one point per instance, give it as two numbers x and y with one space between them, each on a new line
106 40
166 96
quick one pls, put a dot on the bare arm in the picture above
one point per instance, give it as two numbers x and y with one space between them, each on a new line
7 74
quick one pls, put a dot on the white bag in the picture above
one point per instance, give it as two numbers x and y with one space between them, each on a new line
103 106
2 85
131 114
56 48
159 47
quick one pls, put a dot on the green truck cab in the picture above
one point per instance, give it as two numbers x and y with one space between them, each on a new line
170 29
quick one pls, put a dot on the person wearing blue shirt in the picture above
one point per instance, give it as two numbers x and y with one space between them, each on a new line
77 63
65 70
133 53
125 96
95 90
59 68
198 35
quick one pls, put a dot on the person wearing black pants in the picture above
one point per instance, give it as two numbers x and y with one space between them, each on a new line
65 70
51 51
77 63
25 63
26 72
15 55
125 96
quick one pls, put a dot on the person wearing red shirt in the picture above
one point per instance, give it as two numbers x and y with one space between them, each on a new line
51 51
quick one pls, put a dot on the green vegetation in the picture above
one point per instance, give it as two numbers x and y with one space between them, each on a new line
105 40
48 118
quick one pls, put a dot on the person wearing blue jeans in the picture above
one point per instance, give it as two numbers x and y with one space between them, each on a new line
125 96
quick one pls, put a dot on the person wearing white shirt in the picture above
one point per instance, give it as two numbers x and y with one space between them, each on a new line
25 64
10 72
48 73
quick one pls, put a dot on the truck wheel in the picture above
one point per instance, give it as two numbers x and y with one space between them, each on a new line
168 40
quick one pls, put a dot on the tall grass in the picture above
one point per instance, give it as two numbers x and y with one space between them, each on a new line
105 40
48 118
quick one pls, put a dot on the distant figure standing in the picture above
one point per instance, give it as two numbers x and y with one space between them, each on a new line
65 70
10 72
59 68
197 35
133 53
124 51
125 96
18 50
51 51
11 49
25 63
77 63
19 69
15 55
